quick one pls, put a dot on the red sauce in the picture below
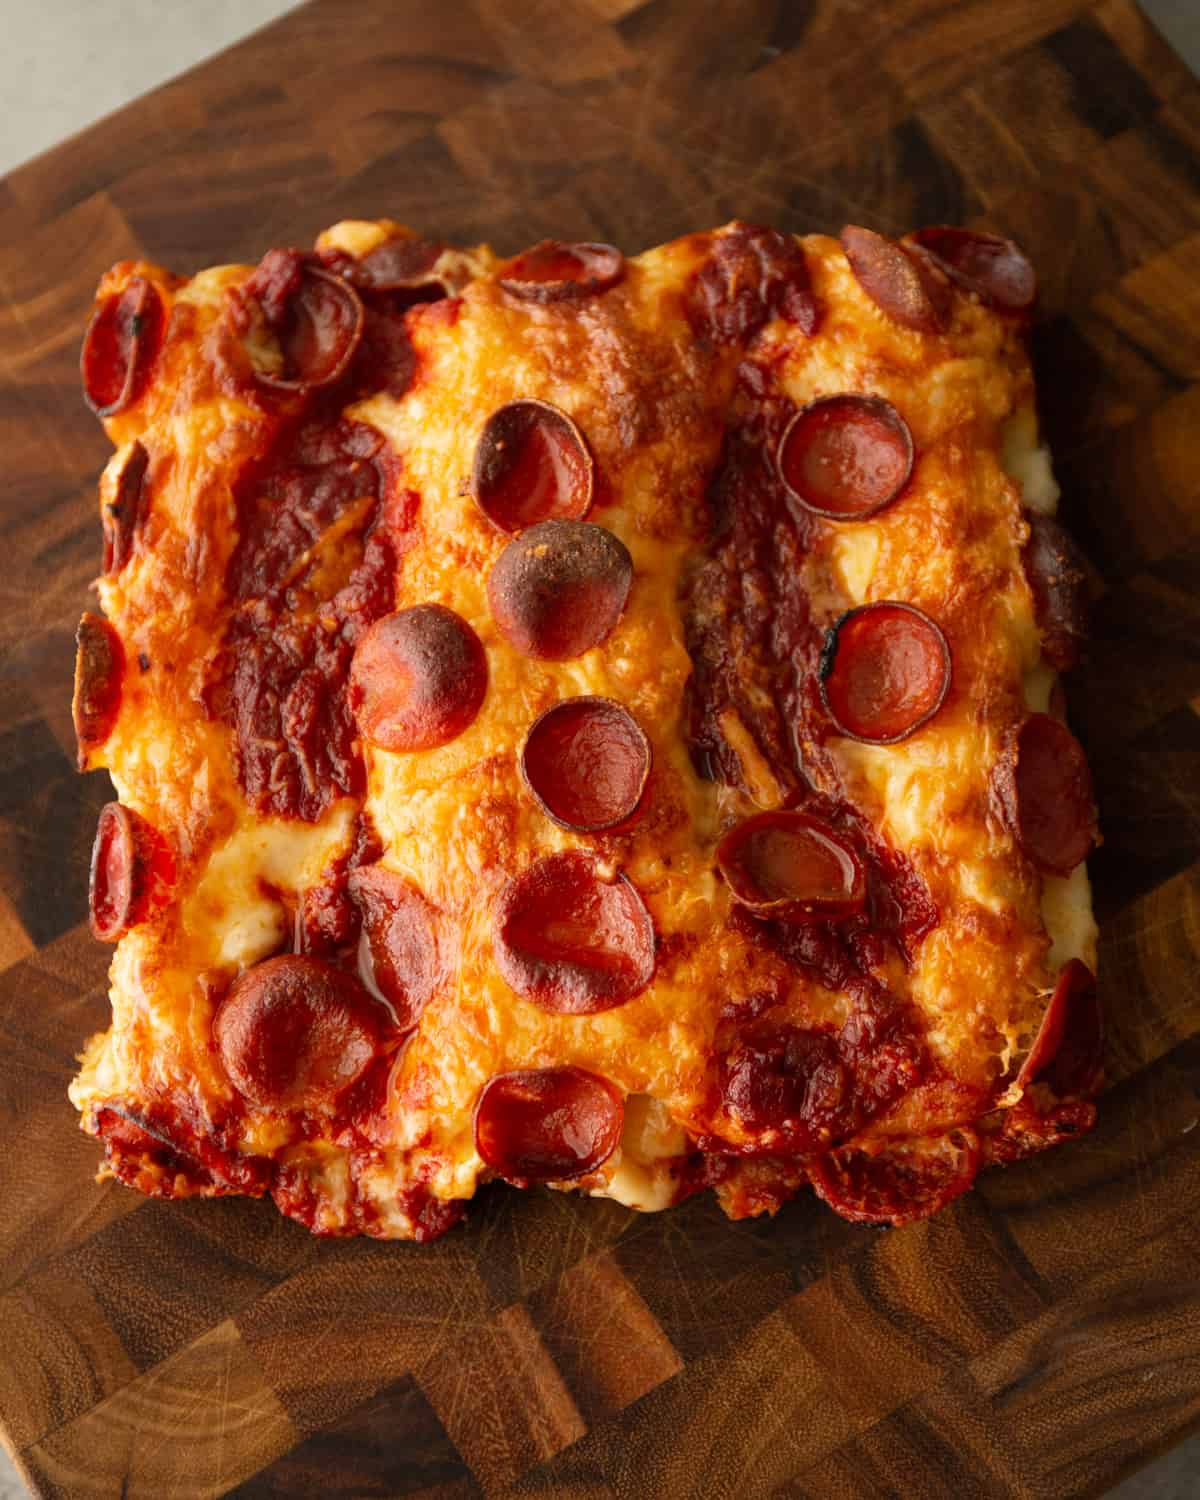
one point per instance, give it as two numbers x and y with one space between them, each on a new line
161 1153
756 650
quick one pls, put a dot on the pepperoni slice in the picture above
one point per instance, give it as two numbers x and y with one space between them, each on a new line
1045 790
120 347
790 1084
995 269
399 953
531 464
902 1181
123 517
314 317
417 679
572 938
909 289
132 872
547 1124
885 671
554 271
1068 1050
792 865
403 263
294 1032
751 275
586 761
846 457
1058 581
99 673
559 588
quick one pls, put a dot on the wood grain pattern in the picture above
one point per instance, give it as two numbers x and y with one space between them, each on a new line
1039 1338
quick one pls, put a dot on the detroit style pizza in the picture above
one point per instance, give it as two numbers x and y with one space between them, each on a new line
586 721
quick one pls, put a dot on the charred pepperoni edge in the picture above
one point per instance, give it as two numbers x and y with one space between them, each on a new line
923 242
564 1078
909 289
830 1176
880 408
1068 1051
150 864
730 848
637 736
1057 578
352 301
124 517
1022 1132
1004 784
829 656
148 321
99 673
603 266
137 1143
489 465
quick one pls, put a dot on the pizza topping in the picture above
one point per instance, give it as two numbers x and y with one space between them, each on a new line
996 269
99 672
586 761
123 517
313 322
418 678
120 347
846 457
399 952
885 672
790 1082
750 276
559 588
792 865
1058 581
909 289
294 1032
1045 790
897 1181
531 464
1068 1051
547 1124
554 271
132 872
572 937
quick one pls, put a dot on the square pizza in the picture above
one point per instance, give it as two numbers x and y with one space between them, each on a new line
583 721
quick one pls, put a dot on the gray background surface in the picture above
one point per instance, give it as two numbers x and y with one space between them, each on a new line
67 63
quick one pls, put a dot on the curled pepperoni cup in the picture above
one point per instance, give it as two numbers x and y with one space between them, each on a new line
789 1082
586 761
417 678
995 269
123 516
99 673
1057 579
555 271
1045 790
531 464
313 322
885 671
909 289
792 865
120 347
294 1032
572 938
547 1124
1068 1051
132 871
846 457
559 588
400 952
905 1179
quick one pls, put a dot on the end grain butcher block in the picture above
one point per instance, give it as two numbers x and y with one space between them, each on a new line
1041 1337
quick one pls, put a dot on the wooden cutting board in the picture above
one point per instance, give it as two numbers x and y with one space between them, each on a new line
1042 1336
